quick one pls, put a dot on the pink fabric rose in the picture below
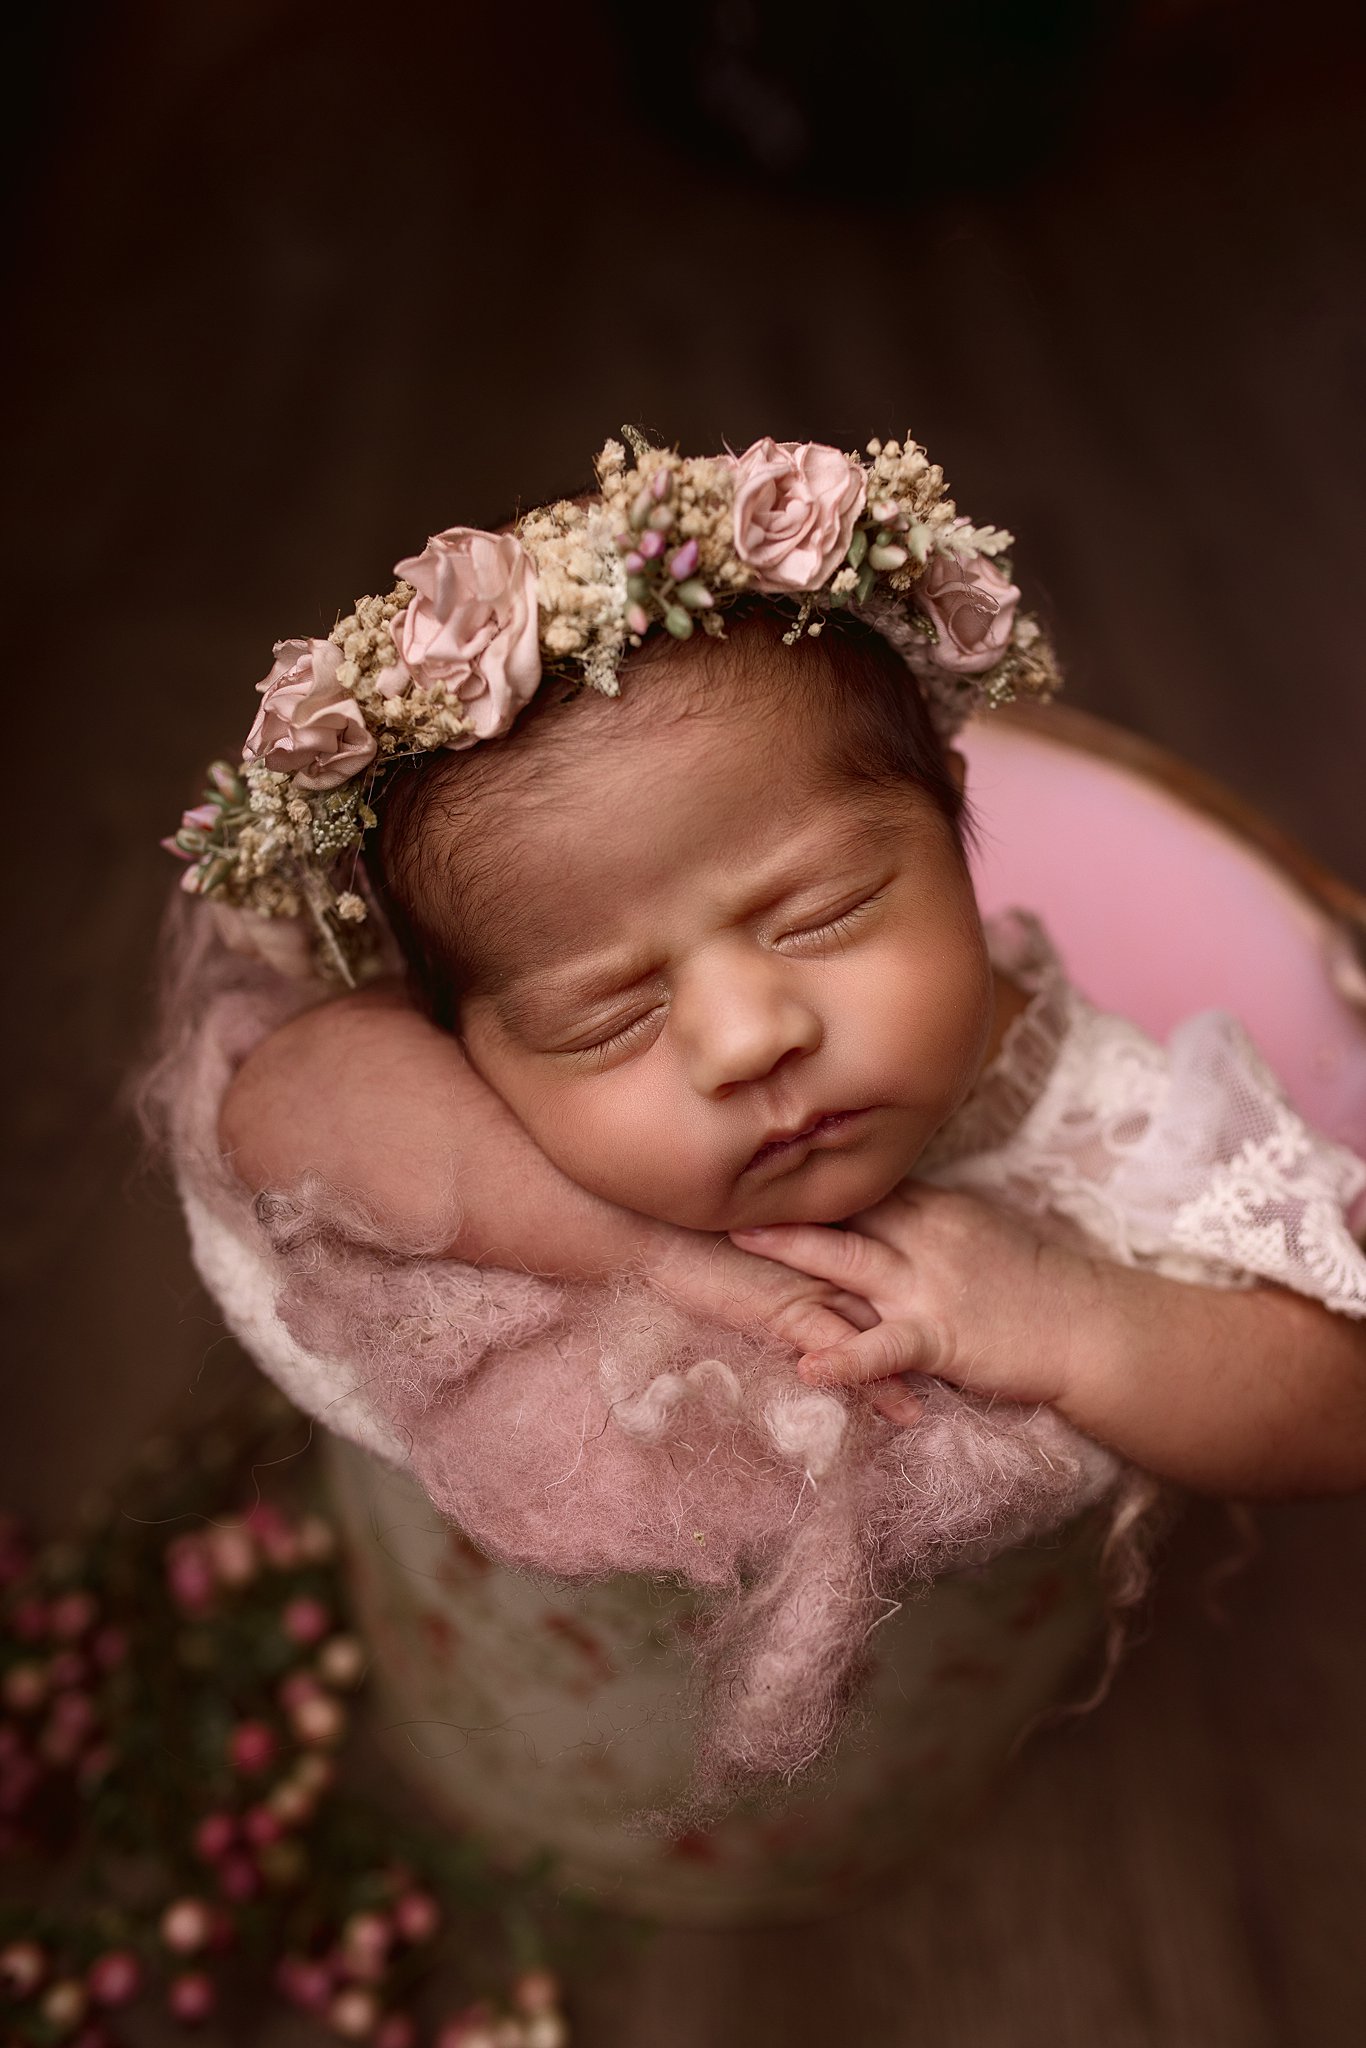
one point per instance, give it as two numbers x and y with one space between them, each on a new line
971 607
307 726
472 628
795 507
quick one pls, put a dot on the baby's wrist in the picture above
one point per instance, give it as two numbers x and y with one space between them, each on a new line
1099 1335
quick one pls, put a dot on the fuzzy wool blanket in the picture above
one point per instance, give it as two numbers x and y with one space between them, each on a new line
582 1431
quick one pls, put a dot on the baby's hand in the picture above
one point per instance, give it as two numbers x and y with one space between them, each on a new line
965 1292
1239 1391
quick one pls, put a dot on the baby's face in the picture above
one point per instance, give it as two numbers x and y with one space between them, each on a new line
738 995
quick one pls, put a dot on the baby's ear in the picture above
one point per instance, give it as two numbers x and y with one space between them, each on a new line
958 767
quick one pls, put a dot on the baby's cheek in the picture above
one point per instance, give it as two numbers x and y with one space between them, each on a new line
620 1142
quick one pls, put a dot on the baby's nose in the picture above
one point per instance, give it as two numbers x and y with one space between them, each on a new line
739 1026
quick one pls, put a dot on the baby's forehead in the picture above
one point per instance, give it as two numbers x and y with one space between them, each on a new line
601 901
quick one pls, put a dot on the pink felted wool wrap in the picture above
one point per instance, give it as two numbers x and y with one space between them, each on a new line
582 1431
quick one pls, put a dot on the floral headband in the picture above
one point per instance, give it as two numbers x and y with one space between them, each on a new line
461 644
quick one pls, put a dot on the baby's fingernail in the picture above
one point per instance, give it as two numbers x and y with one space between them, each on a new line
817 1365
753 1230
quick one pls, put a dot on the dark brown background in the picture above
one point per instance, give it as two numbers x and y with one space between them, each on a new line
297 284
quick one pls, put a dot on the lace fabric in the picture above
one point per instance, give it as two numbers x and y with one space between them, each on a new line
1187 1160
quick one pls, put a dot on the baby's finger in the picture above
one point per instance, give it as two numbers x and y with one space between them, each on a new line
854 1309
810 1327
893 1347
855 1263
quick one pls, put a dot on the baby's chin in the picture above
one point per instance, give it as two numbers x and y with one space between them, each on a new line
823 1190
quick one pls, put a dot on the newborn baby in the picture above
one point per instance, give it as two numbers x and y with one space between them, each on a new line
715 1196
706 959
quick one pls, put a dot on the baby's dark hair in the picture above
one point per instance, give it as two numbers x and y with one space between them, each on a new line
447 883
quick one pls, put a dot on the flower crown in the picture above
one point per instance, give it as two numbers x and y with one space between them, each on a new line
454 652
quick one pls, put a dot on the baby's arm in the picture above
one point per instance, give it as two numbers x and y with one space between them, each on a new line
369 1096
1227 1391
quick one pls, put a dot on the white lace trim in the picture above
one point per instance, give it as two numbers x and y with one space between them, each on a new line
1188 1160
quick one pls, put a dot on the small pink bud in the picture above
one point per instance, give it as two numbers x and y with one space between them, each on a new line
275 1534
314 1773
64 2004
353 2013
652 545
191 1997
298 1687
341 1661
416 1916
637 618
536 1991
59 1746
634 563
73 1614
23 1966
74 1712
367 1931
260 1825
189 881
292 1804
624 541
226 781
115 1978
252 1747
304 1981
238 1878
363 1965
305 1620
202 818
187 1926
232 1554
320 1721
684 561
189 1575
169 845
317 1540
661 484
214 1836
25 1687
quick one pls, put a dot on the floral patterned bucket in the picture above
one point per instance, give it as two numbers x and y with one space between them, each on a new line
544 1715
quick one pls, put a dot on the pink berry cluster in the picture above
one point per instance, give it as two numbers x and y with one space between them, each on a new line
661 569
225 1642
58 1649
355 1981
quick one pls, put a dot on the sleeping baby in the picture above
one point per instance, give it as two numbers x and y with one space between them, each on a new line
827 1232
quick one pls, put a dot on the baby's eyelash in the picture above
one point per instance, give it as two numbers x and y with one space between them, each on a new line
835 926
608 1045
